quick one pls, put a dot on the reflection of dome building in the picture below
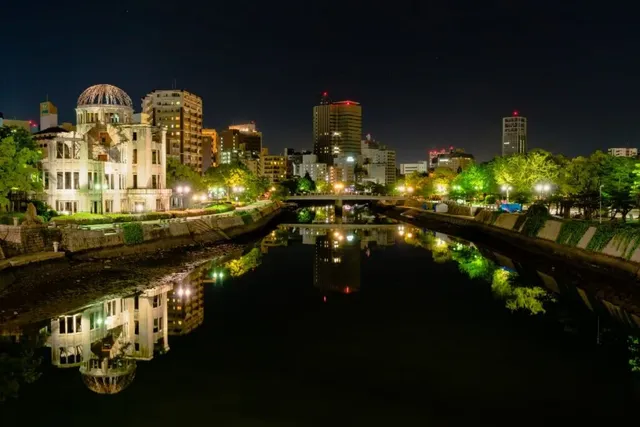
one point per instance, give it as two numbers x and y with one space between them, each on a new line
109 376
114 162
104 339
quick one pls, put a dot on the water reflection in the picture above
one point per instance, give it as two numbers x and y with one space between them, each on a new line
105 340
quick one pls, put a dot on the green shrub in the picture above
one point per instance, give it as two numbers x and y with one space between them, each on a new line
625 236
7 218
133 233
571 232
246 216
154 216
536 216
219 208
83 218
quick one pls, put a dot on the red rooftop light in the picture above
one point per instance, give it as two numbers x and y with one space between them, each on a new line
515 113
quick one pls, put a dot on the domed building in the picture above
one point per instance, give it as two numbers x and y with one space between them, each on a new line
115 160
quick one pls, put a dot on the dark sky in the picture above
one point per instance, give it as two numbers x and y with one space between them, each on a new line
428 73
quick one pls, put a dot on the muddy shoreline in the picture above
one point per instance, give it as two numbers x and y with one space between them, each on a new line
39 292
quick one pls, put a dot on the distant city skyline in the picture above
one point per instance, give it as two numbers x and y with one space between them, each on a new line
429 76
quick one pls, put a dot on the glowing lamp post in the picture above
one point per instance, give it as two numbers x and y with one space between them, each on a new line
542 190
506 189
182 192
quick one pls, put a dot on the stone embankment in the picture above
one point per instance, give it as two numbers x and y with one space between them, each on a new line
582 244
82 244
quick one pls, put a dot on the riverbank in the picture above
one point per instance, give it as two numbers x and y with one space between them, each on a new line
504 231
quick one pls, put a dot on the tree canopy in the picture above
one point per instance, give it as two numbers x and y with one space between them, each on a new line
19 159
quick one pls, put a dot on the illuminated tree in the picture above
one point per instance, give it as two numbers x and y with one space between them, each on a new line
18 164
306 184
323 186
517 298
473 182
245 263
179 174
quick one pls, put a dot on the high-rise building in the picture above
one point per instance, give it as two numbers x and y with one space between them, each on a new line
514 134
48 115
456 160
239 142
409 168
379 162
294 158
309 165
181 113
623 152
272 166
337 129
209 148
433 155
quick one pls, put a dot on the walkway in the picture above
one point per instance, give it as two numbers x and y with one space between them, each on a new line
191 218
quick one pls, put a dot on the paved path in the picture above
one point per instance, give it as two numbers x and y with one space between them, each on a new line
191 218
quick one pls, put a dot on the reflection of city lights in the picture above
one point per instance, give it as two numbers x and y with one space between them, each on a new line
220 275
336 234
347 290
401 232
324 299
341 237
99 321
350 238
409 235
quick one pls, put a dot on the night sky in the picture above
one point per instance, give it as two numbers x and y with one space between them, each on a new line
428 73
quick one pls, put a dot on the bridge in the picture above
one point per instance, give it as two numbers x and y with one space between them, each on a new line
339 198
341 226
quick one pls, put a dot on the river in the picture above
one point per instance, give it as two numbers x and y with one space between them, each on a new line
333 320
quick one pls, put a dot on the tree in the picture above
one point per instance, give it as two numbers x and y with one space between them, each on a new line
523 171
617 184
323 186
179 174
233 176
306 184
473 182
18 164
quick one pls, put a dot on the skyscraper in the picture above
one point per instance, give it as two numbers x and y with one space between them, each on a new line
209 149
181 113
239 142
514 134
337 129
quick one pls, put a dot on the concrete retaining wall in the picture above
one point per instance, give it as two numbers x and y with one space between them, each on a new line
165 235
611 257
20 240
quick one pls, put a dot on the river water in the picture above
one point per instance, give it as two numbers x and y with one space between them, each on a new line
339 320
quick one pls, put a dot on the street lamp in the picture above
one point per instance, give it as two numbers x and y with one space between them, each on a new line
338 186
506 188
542 189
401 189
182 191
409 190
600 212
